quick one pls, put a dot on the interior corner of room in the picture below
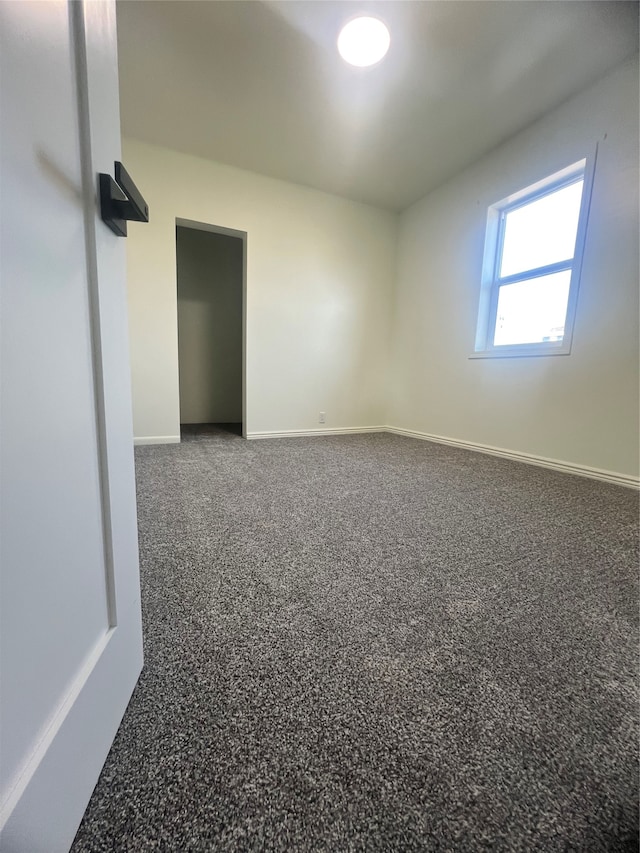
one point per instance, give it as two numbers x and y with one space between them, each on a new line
217 224
365 317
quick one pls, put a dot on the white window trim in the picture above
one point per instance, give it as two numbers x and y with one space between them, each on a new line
491 282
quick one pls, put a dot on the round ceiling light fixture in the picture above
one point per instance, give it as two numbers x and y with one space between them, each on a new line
363 41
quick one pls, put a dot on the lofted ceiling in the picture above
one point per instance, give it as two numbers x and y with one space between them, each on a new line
260 85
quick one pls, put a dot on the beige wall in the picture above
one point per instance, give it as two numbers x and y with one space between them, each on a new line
209 326
335 324
581 408
319 290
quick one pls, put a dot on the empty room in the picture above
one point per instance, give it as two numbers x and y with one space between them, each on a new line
332 540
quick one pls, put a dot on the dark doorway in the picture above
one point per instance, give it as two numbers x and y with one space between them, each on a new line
191 432
210 282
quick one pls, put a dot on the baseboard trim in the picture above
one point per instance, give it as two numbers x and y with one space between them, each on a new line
156 439
529 458
302 433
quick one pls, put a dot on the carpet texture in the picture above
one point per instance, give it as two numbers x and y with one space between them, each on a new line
374 643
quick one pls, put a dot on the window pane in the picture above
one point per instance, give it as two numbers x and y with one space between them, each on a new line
542 232
532 311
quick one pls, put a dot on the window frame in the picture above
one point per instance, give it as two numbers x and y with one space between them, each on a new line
491 281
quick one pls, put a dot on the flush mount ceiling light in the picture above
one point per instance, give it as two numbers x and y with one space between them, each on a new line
363 41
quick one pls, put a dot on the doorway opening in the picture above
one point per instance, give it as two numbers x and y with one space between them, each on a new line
211 293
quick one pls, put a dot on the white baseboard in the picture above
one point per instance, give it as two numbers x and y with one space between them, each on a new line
529 458
156 439
313 432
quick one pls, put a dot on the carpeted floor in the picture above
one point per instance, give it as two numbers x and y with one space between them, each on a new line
374 643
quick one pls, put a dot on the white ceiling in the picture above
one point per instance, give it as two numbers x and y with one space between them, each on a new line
260 85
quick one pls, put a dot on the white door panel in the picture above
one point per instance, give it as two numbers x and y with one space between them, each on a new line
69 605
54 508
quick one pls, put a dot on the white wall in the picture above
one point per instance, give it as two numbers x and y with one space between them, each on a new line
210 282
319 289
321 305
581 408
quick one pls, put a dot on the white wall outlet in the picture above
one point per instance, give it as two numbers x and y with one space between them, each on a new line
322 417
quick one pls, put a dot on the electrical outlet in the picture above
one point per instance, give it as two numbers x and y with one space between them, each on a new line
322 417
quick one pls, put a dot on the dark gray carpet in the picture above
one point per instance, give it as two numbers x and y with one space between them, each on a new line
373 643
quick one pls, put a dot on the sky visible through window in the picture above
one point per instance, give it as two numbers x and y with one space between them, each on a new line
532 311
537 234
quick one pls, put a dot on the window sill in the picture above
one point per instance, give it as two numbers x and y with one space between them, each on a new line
521 352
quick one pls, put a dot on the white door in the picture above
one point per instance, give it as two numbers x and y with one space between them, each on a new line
70 629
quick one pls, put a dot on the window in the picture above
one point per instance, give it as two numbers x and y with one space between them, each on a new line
531 268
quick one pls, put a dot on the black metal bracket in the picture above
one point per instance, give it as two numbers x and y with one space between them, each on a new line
121 200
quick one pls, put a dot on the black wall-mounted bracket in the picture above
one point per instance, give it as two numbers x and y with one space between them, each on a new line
121 200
